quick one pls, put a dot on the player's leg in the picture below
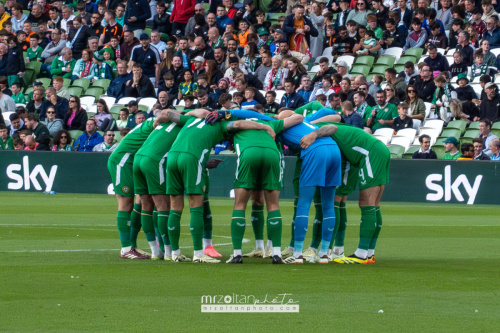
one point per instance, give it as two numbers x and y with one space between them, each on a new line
123 184
162 203
373 174
317 227
238 224
257 218
195 187
328 224
135 218
159 240
306 194
373 242
296 176
208 247
337 242
367 200
175 188
274 223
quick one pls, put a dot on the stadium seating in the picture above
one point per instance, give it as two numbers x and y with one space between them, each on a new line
396 150
103 83
410 151
93 91
384 135
387 61
365 60
75 91
458 124
84 83
149 102
416 52
469 135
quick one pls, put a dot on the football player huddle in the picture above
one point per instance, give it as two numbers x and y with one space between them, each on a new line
168 156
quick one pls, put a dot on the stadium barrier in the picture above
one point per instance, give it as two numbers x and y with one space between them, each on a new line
468 182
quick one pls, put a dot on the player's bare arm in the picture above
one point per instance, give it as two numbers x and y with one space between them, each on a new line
333 118
235 126
173 116
309 139
198 113
293 120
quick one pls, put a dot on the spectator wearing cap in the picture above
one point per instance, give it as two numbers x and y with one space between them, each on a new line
133 109
492 33
464 91
181 13
393 36
198 64
149 59
129 42
101 70
489 107
297 26
450 146
436 60
117 86
140 85
342 69
136 15
263 34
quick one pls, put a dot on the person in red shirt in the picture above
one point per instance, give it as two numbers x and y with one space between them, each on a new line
182 12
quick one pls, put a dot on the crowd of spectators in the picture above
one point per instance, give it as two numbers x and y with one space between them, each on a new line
227 55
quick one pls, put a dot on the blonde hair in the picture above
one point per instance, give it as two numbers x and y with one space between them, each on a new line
456 108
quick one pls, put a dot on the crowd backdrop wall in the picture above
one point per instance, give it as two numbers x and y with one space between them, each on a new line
468 182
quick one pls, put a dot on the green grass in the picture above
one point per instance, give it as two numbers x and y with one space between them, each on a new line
60 271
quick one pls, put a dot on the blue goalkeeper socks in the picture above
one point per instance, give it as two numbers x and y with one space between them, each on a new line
301 220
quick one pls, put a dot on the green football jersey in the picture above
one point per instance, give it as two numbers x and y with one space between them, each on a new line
388 112
133 141
353 142
198 138
448 156
160 141
310 108
257 138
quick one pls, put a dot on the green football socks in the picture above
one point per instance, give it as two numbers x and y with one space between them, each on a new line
147 225
257 218
274 227
367 227
123 223
163 227
135 226
196 226
373 242
237 228
174 228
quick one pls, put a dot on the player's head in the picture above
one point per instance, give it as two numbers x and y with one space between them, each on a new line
285 113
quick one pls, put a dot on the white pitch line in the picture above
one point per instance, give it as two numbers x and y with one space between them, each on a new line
245 240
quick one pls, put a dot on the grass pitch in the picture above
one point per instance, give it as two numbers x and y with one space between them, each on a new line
437 270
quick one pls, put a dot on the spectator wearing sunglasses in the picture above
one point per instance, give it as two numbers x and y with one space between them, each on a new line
108 145
53 124
62 141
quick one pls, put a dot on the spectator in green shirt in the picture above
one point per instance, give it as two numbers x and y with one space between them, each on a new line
16 93
452 152
34 53
6 142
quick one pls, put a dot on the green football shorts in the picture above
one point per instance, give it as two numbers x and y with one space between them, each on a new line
258 169
350 175
185 174
374 170
122 175
149 176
